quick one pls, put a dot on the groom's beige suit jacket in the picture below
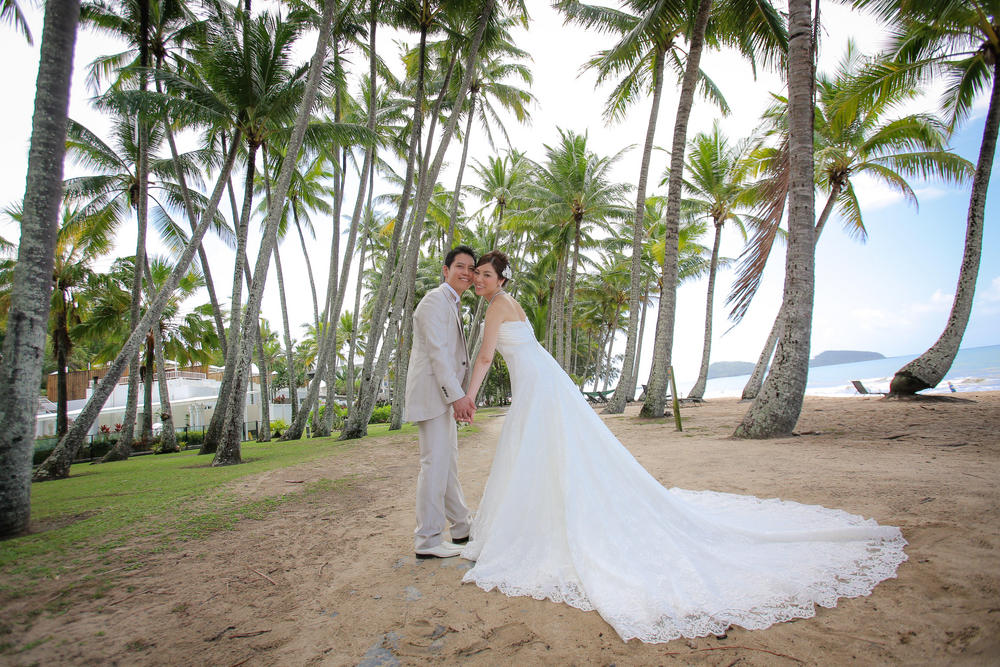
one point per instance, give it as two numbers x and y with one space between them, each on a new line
439 361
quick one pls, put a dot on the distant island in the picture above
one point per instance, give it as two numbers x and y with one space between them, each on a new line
834 357
725 369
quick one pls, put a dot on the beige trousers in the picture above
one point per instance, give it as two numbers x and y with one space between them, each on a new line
439 494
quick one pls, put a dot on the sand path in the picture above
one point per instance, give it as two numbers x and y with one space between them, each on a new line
330 579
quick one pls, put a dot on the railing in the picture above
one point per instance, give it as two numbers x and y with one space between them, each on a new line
186 375
173 375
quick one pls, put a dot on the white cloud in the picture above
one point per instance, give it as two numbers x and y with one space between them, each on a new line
991 294
938 302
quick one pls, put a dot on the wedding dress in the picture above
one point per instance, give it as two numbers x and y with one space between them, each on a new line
568 514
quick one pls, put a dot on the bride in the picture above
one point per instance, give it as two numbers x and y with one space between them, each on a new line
568 514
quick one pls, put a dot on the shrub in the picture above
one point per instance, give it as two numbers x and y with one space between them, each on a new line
43 447
381 414
191 438
278 426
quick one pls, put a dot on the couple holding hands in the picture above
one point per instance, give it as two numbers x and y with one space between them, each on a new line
569 515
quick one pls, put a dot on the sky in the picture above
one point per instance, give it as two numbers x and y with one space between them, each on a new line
891 294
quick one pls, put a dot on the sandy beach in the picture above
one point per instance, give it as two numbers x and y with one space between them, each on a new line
330 578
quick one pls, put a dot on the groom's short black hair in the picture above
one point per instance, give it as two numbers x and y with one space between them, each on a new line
459 250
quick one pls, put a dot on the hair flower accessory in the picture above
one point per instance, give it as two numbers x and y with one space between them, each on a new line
507 273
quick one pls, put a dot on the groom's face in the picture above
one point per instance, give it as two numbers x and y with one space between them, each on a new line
461 272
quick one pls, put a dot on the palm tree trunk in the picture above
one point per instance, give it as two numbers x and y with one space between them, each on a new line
698 390
229 388
656 388
753 385
220 327
229 446
776 409
28 317
453 216
264 431
60 344
168 437
570 298
559 302
357 423
56 466
756 380
293 394
353 343
630 365
402 361
638 345
929 368
146 423
123 448
312 280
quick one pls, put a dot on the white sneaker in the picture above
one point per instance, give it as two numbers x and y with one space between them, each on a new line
443 550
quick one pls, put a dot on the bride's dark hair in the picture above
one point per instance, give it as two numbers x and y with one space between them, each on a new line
498 260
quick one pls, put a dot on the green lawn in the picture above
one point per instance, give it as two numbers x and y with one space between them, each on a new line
171 497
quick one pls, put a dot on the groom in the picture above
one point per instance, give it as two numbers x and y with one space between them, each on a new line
435 398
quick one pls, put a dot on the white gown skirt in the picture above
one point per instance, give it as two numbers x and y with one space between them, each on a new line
569 515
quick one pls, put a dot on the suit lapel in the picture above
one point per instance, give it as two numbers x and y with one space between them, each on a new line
461 326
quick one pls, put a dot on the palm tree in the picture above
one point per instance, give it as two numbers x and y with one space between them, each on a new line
357 421
850 139
958 42
57 465
307 194
336 285
716 181
247 80
11 13
649 39
191 339
490 91
502 181
28 315
229 446
570 191
776 409
82 239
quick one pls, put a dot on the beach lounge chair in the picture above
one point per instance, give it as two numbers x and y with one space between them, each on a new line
863 390
598 396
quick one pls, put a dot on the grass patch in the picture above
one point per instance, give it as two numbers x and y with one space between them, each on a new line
168 498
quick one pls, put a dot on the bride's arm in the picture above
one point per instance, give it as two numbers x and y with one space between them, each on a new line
486 351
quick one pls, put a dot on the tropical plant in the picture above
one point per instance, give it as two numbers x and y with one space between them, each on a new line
850 140
716 188
957 42
570 195
650 35
28 314
776 409
11 13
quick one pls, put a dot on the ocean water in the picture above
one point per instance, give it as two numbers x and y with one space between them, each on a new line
974 369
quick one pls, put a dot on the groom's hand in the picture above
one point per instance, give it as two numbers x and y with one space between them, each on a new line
464 409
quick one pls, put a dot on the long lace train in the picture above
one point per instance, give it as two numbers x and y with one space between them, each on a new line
569 515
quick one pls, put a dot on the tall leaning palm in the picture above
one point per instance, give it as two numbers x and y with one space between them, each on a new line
716 186
249 82
570 191
490 92
24 344
651 37
776 409
956 41
851 138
